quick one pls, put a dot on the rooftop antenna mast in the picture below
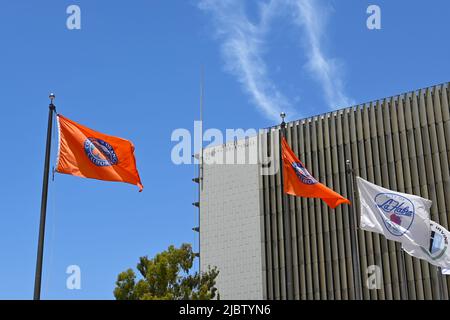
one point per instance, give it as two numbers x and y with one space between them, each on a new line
199 179
201 121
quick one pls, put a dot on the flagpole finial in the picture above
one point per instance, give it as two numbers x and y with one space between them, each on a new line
52 97
283 115
348 164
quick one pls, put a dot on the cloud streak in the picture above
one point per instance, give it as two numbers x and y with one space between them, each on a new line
244 43
312 19
243 47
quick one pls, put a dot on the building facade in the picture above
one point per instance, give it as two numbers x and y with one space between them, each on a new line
400 143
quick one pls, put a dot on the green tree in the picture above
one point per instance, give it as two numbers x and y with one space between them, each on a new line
167 277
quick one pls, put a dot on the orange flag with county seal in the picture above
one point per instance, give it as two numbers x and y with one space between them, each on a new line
90 154
299 182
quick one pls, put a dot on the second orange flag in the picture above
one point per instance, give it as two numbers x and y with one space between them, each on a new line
299 182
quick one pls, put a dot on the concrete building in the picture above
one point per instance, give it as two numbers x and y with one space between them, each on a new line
401 143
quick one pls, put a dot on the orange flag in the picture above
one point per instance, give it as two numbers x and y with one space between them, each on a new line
90 154
299 182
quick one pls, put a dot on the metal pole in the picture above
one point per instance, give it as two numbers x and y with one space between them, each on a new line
40 251
200 173
202 93
441 284
403 270
356 264
286 221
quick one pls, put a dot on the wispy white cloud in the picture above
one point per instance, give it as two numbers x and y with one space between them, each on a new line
243 47
244 44
309 15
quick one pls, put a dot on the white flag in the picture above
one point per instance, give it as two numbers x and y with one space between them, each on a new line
437 252
398 216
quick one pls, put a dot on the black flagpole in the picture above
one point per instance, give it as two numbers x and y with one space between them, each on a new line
286 221
40 251
353 219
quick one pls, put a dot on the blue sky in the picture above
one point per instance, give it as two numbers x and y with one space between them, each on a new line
133 71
